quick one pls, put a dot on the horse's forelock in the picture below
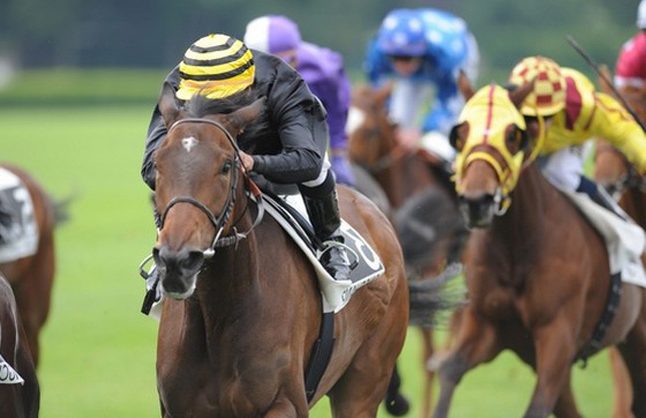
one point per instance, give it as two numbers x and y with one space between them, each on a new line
200 105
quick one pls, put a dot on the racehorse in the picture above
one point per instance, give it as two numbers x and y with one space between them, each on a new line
32 277
621 180
19 390
238 329
537 272
412 180
618 176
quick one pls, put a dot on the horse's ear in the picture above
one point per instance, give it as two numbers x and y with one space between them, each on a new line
238 120
604 78
464 85
384 93
517 95
168 104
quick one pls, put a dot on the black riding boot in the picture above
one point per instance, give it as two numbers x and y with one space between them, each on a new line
600 197
323 211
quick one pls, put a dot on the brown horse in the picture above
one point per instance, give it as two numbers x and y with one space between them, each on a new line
614 172
412 180
237 333
619 177
537 272
32 277
17 400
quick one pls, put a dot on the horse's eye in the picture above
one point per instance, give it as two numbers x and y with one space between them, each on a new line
226 167
513 138
458 135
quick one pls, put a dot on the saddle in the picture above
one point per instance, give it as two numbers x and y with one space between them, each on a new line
290 213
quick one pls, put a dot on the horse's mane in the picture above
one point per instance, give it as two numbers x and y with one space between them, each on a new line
200 106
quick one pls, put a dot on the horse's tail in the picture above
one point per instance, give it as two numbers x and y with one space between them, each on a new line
395 402
431 300
61 208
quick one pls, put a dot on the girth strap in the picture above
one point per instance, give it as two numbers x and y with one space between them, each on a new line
612 303
321 353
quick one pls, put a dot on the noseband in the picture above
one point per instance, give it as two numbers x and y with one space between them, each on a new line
219 221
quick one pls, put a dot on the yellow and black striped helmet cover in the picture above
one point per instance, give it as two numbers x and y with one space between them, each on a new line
215 66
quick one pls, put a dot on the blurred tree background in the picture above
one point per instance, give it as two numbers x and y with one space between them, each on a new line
154 33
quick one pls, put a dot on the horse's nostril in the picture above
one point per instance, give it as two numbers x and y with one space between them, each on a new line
479 211
193 261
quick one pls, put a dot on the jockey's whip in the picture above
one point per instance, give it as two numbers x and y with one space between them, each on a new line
600 73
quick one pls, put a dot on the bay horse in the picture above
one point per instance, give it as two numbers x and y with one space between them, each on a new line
404 174
17 400
237 329
32 277
410 178
614 172
537 272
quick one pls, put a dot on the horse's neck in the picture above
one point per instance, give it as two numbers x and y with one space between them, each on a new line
403 178
227 286
520 231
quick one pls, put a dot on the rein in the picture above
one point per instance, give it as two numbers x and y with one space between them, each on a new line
220 221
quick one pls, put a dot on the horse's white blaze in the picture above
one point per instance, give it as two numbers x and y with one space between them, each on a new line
189 142
356 117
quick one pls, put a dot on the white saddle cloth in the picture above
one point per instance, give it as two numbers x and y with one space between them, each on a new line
336 293
8 376
20 237
625 241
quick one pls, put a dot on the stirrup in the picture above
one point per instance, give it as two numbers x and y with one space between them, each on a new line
329 244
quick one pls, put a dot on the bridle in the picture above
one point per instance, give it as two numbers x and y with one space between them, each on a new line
220 220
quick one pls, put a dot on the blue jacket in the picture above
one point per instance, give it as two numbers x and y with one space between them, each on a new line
449 45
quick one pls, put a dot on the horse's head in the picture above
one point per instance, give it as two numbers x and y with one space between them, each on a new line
493 146
371 134
198 171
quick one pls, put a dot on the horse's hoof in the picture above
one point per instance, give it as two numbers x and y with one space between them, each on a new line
397 406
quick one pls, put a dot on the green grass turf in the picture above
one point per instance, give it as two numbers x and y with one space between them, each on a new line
97 349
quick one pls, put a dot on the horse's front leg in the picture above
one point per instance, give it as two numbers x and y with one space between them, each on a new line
565 405
555 348
622 388
284 408
476 343
427 355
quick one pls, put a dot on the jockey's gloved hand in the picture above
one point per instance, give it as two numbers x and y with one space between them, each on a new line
342 170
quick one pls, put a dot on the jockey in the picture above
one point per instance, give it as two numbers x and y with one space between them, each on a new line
323 71
285 145
566 111
422 49
631 65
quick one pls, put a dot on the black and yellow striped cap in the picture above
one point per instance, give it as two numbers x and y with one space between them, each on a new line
215 66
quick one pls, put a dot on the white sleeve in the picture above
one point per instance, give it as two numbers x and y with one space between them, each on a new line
406 102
